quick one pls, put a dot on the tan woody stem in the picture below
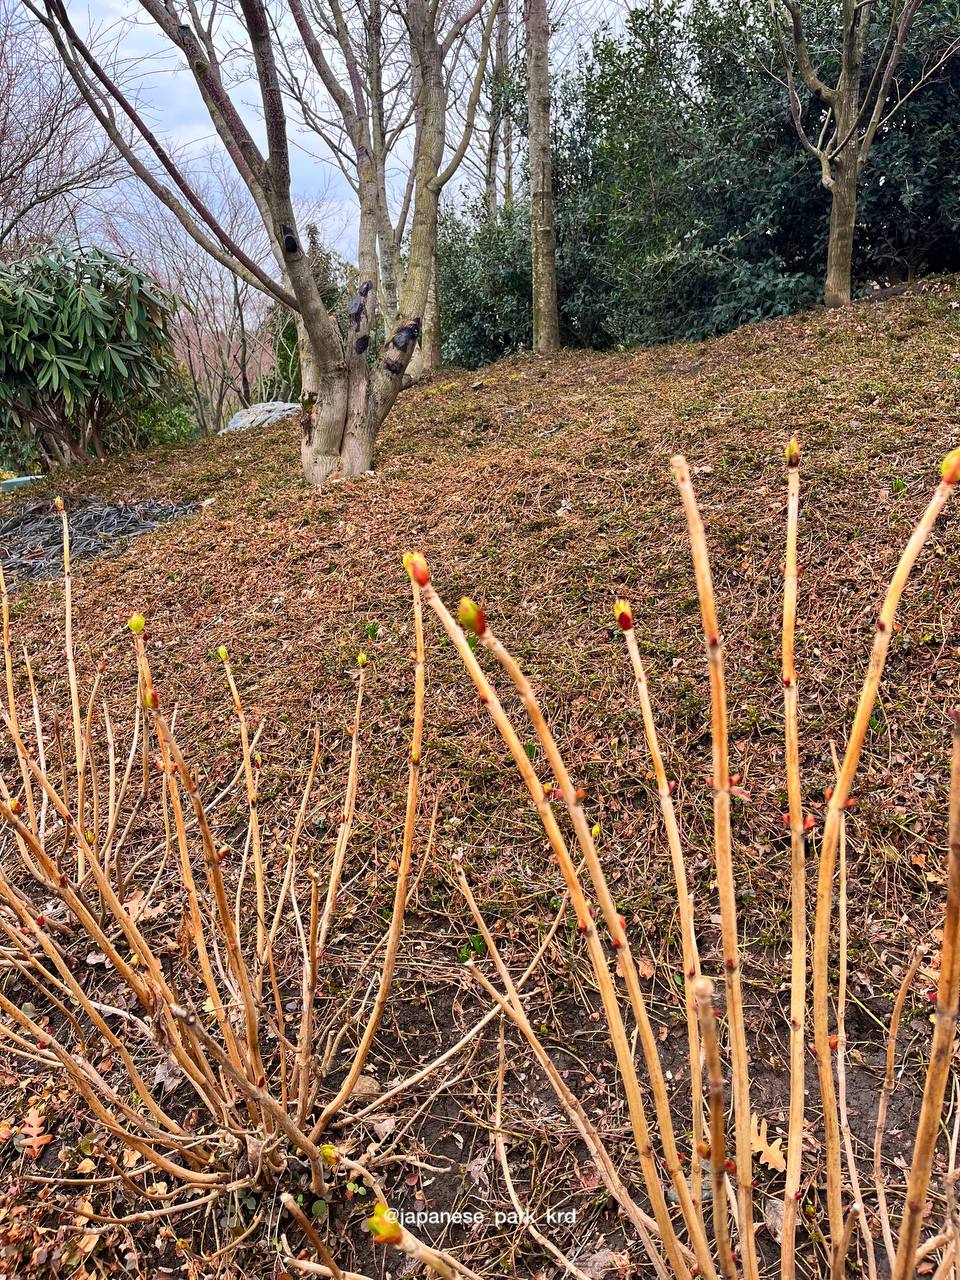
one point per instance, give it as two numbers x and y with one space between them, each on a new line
72 680
724 864
831 838
400 891
703 993
944 1038
345 828
618 933
12 702
886 1092
689 949
310 1231
256 847
513 1008
798 905
585 924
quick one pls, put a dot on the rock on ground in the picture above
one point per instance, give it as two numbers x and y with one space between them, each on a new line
260 415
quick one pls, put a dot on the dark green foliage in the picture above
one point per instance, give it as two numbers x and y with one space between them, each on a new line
687 206
483 284
83 345
166 416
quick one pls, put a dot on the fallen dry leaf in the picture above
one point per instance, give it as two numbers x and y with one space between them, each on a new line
33 1137
769 1153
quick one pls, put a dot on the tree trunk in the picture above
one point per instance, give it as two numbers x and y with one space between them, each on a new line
430 341
546 321
843 214
323 415
845 172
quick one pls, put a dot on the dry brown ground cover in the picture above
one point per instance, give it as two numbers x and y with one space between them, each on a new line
543 490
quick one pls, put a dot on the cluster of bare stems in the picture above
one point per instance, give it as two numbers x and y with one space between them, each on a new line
214 1010
210 1012
682 1242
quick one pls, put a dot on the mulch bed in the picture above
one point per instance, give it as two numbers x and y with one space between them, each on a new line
31 540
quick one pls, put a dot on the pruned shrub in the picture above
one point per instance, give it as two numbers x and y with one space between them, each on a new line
208 1069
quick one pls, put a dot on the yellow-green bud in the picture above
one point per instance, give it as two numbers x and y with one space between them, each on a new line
383 1225
471 616
950 467
222 653
361 659
416 566
136 623
792 452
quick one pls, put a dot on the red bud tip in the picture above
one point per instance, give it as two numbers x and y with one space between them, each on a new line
729 965
671 785
828 793
881 625
731 1166
261 1081
583 926
151 699
932 997
581 794
735 780
850 803
623 614
470 616
41 921
950 467
709 780
809 822
16 806
785 819
416 566
834 1041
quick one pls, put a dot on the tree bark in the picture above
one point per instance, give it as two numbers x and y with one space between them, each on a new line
546 321
430 341
838 289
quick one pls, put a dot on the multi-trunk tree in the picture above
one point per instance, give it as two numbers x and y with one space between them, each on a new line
374 80
855 82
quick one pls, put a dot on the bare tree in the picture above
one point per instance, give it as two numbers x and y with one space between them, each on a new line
346 395
51 151
224 330
865 94
546 321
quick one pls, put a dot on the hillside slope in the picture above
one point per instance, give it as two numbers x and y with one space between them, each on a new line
543 489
